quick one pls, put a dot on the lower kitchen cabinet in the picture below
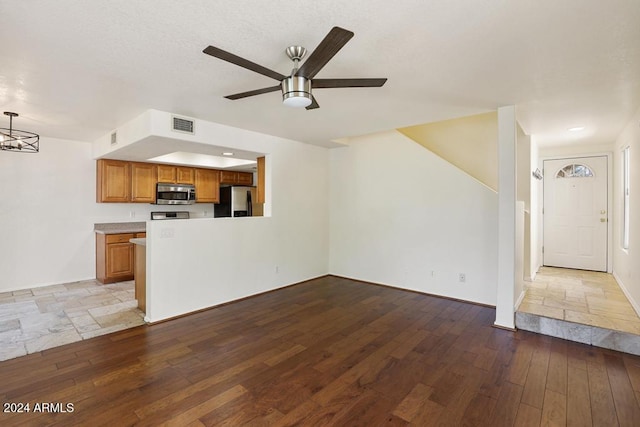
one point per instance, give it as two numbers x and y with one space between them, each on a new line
115 257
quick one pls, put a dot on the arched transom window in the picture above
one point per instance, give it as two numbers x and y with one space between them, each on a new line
575 171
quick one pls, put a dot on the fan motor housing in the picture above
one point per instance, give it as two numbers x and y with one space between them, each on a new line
296 91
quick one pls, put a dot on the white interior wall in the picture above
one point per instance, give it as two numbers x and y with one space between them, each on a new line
46 215
571 151
523 190
523 165
507 187
626 267
520 253
402 216
535 214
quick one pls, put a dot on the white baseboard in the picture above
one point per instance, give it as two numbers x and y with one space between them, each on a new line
519 301
634 304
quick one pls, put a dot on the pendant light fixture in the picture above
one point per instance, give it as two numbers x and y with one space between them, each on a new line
18 140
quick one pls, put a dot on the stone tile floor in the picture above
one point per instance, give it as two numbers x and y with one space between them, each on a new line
585 297
33 320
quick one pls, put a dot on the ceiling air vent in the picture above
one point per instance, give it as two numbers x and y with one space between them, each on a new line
114 138
182 125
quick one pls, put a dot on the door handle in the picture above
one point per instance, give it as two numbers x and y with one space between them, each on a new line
603 219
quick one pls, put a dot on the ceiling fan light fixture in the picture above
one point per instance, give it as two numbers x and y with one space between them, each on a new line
296 87
296 91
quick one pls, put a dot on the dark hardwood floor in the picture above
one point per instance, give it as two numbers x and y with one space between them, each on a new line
330 351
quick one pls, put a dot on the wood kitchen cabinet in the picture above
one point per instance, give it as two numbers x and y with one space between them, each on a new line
113 181
236 178
166 173
176 174
135 182
207 182
140 272
144 177
115 257
124 182
244 178
261 177
185 175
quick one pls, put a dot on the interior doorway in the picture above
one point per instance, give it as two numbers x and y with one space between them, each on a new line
575 213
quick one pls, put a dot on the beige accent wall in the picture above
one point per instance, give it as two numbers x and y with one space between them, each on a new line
469 143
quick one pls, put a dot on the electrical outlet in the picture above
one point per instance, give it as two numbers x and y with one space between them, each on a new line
462 277
277 269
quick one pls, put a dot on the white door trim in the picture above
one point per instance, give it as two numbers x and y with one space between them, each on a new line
612 215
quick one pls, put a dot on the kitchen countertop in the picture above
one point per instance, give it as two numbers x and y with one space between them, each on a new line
139 241
120 227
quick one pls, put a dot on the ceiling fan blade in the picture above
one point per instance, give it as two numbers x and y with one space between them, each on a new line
329 83
328 47
244 63
253 92
313 105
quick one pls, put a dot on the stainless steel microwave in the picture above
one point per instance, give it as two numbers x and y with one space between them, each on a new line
175 194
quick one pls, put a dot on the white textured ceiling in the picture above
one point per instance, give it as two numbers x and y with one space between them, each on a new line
77 69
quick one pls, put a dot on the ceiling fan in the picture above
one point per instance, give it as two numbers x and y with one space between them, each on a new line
296 87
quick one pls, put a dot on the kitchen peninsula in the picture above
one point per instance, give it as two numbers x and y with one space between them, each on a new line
204 261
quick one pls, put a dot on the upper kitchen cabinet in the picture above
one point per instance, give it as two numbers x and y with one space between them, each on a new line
125 182
176 174
236 178
185 175
166 173
207 183
143 182
114 181
245 178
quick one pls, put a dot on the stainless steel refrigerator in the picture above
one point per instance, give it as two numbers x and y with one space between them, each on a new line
237 201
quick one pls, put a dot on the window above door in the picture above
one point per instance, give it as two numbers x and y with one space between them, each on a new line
575 171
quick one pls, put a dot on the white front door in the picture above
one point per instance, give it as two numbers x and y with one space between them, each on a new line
575 213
